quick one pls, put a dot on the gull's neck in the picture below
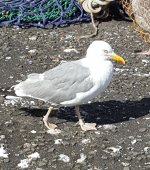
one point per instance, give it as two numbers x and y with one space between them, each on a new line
89 61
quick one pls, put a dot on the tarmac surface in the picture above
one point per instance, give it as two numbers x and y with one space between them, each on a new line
122 113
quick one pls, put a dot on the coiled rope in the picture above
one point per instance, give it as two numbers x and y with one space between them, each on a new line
98 8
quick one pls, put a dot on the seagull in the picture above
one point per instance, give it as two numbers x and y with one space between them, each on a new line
73 83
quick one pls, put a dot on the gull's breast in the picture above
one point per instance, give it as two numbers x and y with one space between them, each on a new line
101 76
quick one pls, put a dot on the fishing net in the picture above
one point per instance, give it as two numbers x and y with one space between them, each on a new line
41 12
127 5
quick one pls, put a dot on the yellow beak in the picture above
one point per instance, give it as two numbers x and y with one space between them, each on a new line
118 58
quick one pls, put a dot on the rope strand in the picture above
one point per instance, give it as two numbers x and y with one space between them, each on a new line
95 7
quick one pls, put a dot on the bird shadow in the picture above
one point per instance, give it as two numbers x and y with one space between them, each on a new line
107 112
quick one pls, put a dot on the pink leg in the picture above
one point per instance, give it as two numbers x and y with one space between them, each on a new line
145 52
46 122
84 126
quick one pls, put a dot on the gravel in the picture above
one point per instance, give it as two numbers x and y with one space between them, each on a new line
122 113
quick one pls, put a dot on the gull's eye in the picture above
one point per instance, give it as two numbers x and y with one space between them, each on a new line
106 51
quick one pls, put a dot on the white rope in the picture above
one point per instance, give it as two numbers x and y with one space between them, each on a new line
94 6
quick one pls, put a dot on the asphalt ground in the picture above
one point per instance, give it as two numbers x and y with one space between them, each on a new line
122 113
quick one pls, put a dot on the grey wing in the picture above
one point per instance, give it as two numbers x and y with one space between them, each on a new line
59 84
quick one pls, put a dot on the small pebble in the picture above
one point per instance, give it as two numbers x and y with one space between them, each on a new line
1 99
33 38
126 168
142 129
103 146
129 158
6 160
32 51
104 157
42 163
51 150
8 58
139 158
147 167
